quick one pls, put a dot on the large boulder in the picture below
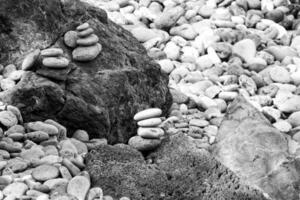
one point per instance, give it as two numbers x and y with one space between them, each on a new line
257 152
100 96
177 170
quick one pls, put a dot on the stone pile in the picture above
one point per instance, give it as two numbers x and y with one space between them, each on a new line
85 43
149 134
9 76
53 58
38 161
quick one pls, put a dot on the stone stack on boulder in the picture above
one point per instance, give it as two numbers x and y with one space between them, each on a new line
149 133
85 41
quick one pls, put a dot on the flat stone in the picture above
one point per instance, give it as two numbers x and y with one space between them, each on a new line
71 167
280 74
88 41
85 33
70 38
57 181
53 62
37 136
245 49
198 122
16 165
45 172
147 114
143 144
79 187
280 52
11 148
8 119
283 126
52 52
150 133
16 189
152 122
30 59
34 153
83 26
50 150
86 53
62 131
143 34
185 30
42 126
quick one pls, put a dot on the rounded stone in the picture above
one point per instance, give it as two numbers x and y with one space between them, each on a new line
52 52
83 26
148 113
88 41
53 62
245 49
95 193
16 75
45 172
16 189
85 33
70 38
143 144
85 54
275 15
79 187
152 122
8 119
30 59
294 119
7 84
42 126
81 135
143 34
280 74
150 133
37 136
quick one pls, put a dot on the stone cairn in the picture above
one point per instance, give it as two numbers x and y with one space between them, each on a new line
149 134
53 58
85 43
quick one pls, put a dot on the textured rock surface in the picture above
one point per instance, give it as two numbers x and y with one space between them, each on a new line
257 152
100 96
179 170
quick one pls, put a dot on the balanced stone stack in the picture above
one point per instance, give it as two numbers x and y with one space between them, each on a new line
149 133
85 43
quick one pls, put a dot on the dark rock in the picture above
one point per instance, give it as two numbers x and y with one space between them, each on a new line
177 170
100 96
257 152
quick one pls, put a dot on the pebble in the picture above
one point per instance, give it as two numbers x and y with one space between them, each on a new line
290 105
143 34
30 59
147 114
42 126
143 144
150 133
81 135
16 189
84 33
58 63
79 187
70 38
16 75
294 119
83 26
52 52
8 119
280 52
245 49
88 41
45 172
166 65
151 122
169 17
7 84
280 74
85 54
95 193
8 70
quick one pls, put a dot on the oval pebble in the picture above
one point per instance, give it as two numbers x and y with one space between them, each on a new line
83 26
70 39
143 144
85 32
30 59
85 54
41 126
88 41
52 52
150 133
53 62
45 172
152 122
148 113
37 136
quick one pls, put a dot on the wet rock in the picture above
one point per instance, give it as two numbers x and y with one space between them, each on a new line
143 144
